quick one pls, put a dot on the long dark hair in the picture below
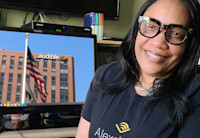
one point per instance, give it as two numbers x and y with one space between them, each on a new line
173 87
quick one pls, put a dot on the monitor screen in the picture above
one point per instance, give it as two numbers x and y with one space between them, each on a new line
110 8
48 47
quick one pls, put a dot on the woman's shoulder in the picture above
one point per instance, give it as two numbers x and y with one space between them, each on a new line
193 90
112 71
109 67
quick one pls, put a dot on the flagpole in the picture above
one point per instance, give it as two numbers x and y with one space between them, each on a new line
24 74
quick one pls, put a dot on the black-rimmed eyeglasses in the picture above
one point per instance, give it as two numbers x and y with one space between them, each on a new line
174 34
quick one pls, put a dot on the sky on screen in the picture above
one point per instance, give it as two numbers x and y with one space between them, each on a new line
81 48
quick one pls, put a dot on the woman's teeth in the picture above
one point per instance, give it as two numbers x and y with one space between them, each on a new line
154 56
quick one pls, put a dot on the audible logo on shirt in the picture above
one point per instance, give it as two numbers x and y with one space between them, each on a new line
122 127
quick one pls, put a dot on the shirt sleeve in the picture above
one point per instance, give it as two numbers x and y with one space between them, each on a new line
89 102
87 107
191 129
103 74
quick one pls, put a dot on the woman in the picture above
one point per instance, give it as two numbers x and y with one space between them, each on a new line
154 91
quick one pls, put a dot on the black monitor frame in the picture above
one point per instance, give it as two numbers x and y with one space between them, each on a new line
76 34
70 7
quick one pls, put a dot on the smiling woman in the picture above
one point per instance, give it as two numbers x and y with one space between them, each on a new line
154 88
155 55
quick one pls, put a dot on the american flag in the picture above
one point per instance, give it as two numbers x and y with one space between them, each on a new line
35 73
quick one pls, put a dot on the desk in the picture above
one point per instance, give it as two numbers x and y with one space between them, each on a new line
63 132
73 108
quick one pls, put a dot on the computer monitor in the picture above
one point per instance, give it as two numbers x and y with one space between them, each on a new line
79 46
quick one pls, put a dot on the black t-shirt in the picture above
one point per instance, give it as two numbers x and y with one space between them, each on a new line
122 115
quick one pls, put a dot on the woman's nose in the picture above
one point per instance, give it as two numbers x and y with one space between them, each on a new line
160 40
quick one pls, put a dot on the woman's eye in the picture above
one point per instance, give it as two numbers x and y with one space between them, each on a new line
151 26
176 34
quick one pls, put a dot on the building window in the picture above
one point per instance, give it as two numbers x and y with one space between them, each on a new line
63 66
63 81
37 61
19 78
63 94
1 78
12 62
45 79
53 68
1 85
9 87
64 88
20 64
35 90
45 65
53 80
53 89
3 65
28 79
53 97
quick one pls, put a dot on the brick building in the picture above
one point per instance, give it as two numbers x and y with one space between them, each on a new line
57 71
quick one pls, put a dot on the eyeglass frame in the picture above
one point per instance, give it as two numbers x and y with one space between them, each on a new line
162 26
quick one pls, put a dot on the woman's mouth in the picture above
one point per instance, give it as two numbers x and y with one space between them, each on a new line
154 57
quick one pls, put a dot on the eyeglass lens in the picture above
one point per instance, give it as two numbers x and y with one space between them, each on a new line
174 35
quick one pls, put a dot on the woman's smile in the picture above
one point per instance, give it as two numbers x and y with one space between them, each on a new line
154 57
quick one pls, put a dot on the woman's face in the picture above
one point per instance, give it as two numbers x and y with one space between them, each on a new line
156 56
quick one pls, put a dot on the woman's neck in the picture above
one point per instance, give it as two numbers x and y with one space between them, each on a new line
146 81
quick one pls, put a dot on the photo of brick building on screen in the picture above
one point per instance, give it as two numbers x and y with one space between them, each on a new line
57 71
